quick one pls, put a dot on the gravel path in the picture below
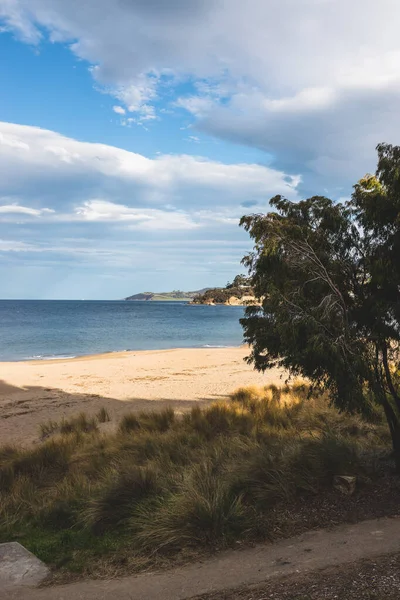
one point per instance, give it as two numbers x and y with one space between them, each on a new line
377 579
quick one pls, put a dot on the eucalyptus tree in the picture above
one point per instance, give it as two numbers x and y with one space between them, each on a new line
328 274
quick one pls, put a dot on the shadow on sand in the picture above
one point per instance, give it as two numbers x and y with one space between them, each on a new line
23 409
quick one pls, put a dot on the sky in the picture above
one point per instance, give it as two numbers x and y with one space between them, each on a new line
134 134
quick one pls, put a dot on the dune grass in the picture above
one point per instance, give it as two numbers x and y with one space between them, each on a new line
103 415
79 424
92 502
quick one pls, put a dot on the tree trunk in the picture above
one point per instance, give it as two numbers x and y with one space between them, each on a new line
394 427
396 449
392 415
388 375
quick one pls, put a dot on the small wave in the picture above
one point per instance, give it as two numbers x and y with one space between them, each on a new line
51 357
215 346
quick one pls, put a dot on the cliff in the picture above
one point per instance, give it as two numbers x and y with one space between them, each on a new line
229 296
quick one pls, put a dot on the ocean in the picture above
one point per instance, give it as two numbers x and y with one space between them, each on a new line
46 329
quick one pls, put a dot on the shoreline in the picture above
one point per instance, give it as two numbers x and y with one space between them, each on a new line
33 392
114 353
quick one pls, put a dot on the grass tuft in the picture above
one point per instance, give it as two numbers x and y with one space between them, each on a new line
79 424
47 429
129 422
103 415
121 492
204 511
155 421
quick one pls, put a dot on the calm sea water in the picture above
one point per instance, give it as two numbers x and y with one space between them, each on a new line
54 329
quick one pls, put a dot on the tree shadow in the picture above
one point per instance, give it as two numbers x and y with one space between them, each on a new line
24 409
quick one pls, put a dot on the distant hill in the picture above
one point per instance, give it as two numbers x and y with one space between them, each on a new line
174 296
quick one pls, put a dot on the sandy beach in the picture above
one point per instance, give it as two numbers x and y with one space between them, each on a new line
33 392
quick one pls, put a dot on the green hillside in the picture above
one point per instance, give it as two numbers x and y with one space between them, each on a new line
174 296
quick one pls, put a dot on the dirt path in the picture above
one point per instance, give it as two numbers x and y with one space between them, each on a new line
229 570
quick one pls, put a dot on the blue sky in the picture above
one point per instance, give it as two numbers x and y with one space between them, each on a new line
134 134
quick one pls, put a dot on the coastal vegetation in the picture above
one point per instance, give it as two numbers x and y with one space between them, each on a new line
95 497
236 293
239 292
329 276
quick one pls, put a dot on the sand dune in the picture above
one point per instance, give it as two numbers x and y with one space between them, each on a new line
33 392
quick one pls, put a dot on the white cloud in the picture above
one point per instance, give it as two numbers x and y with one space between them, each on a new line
196 105
18 20
310 81
85 214
16 209
134 218
10 140
313 83
286 46
119 110
59 171
63 153
138 95
330 137
209 96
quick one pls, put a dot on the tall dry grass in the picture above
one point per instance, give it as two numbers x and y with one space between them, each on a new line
159 483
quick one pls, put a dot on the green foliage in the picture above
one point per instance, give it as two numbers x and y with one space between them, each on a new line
329 274
176 295
238 288
239 281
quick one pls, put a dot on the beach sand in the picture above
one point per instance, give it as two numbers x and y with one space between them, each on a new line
36 391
